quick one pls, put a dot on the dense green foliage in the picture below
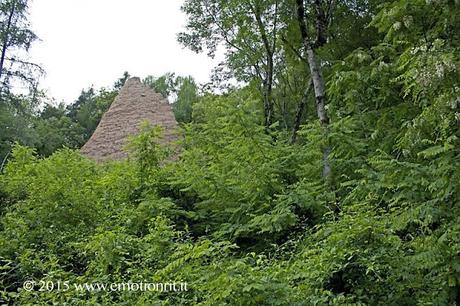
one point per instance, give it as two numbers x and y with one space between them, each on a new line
243 214
182 92
48 127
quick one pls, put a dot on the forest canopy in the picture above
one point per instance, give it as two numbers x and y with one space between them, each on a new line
328 176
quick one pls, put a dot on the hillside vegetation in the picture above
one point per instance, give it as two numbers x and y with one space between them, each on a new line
280 195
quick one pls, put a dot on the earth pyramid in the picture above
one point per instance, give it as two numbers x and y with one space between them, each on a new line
134 104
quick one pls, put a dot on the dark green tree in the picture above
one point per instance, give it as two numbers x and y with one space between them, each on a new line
121 81
88 109
16 37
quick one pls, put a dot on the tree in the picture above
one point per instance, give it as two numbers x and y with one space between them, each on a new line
311 42
164 85
88 109
16 37
121 81
17 113
187 95
50 110
54 133
249 30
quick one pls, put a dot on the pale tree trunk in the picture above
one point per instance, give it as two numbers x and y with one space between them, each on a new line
316 73
318 85
320 97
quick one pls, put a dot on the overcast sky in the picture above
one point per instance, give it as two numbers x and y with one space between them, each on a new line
92 42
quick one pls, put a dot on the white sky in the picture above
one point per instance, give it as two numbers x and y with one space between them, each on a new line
92 42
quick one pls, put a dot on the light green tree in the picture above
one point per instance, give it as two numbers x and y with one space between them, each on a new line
187 96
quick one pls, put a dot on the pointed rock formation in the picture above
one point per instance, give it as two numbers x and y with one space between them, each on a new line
134 104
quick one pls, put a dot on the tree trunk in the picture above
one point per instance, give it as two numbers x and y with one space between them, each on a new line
268 88
5 39
318 85
320 97
299 112
317 78
268 81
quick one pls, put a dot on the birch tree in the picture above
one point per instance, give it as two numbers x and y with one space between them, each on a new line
312 40
249 32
